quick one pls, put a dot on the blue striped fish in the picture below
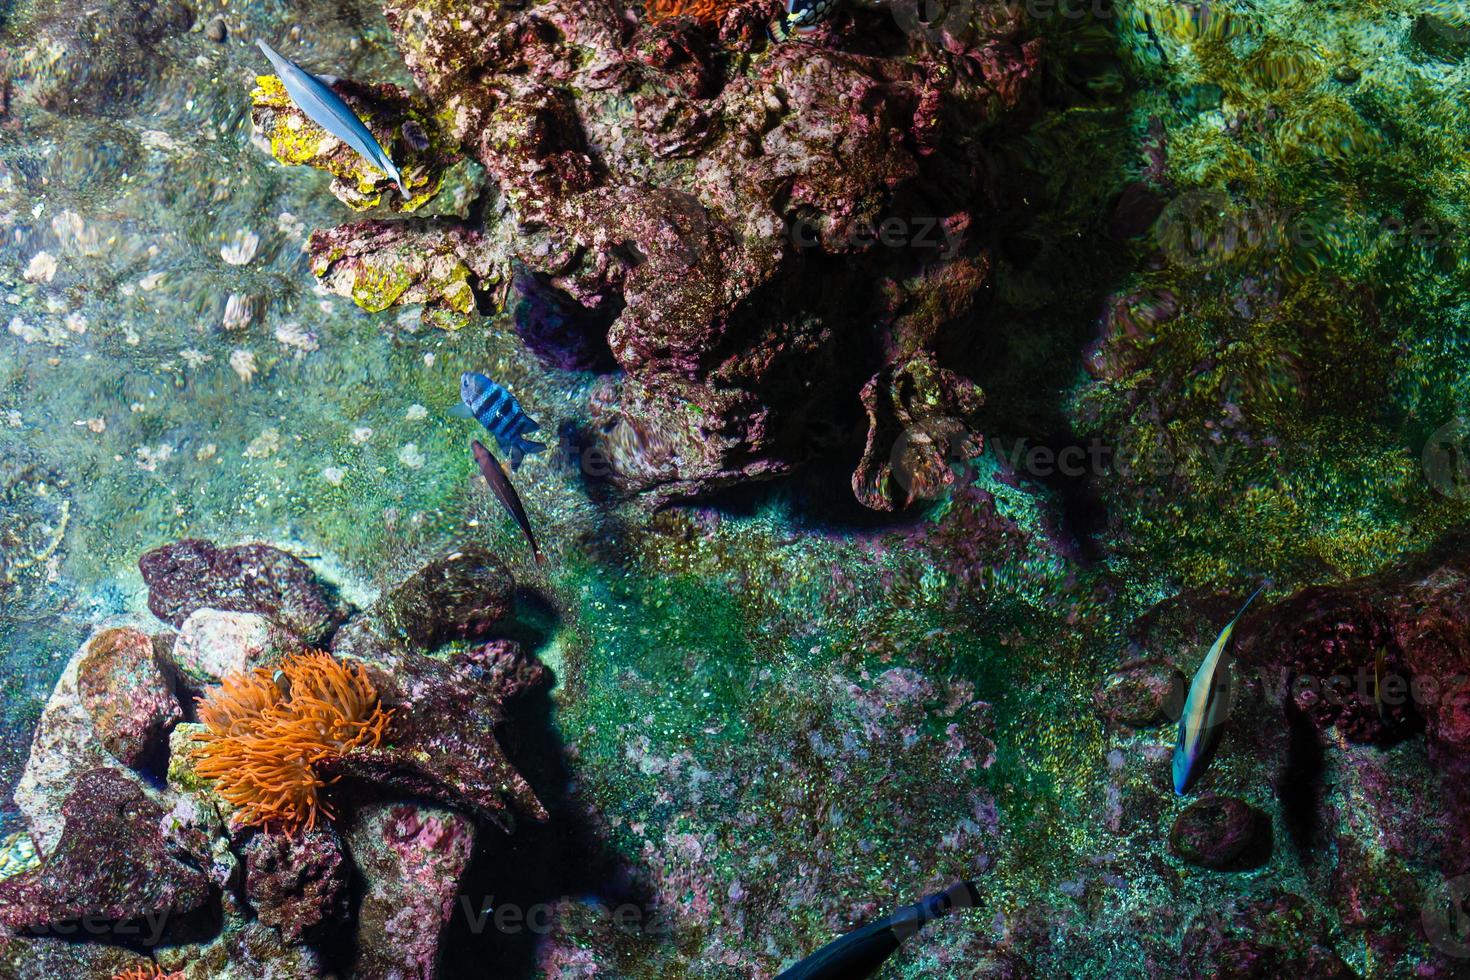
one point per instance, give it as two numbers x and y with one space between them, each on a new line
799 17
501 415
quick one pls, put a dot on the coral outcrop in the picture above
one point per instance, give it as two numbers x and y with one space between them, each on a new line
241 862
759 231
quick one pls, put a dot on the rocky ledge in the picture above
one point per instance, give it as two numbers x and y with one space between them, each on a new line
142 861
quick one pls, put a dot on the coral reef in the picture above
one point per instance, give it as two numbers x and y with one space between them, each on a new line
825 238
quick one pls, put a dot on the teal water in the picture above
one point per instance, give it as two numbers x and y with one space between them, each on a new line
168 368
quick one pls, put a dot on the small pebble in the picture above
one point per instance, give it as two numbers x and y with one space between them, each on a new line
1346 74
215 30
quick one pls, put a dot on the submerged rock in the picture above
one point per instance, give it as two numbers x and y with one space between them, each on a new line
379 264
459 595
1142 694
195 574
297 883
212 644
45 958
920 434
112 864
411 858
1222 833
68 742
757 236
130 699
408 132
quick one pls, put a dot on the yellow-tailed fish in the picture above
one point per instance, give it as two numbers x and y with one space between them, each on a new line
1205 709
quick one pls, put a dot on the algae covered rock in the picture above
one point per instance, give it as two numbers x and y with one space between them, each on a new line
112 864
298 883
195 574
1222 833
131 700
411 858
407 131
920 434
379 264
67 741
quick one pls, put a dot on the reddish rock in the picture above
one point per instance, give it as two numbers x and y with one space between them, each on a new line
195 574
758 237
411 859
921 434
1222 833
504 666
1142 694
1321 647
130 699
112 865
297 882
461 594
443 743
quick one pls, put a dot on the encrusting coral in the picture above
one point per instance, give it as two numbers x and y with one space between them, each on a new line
265 736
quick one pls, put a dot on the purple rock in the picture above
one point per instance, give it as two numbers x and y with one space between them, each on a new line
195 574
1222 833
113 863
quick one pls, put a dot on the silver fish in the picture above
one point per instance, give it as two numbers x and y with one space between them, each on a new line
1205 709
325 108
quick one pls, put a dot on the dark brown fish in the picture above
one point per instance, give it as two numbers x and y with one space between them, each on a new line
500 486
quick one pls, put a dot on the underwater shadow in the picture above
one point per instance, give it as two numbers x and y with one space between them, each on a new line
505 901
1069 227
1300 784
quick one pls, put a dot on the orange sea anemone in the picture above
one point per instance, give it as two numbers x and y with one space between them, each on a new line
705 10
150 972
267 732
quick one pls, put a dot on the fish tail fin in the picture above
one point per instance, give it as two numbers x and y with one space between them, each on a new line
531 446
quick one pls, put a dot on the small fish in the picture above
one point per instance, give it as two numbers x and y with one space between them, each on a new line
500 485
800 17
1205 709
325 108
501 415
860 953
